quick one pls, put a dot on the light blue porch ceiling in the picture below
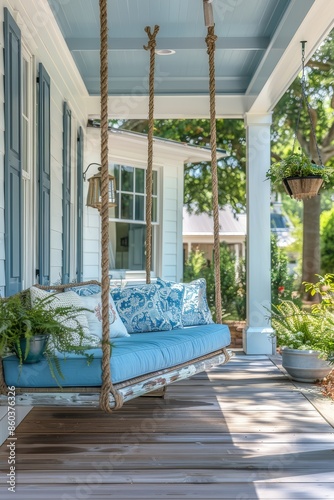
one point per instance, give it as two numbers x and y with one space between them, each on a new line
252 36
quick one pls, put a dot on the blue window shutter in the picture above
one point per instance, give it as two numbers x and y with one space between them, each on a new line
44 176
66 193
80 145
13 156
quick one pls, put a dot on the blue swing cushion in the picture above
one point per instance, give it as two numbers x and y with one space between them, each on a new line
141 353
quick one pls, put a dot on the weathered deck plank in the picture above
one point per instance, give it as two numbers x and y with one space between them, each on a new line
197 491
242 431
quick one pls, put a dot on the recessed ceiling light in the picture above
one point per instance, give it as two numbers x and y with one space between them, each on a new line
164 52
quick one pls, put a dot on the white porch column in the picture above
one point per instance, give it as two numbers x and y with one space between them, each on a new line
256 339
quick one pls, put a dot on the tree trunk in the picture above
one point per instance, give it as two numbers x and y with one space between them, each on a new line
311 241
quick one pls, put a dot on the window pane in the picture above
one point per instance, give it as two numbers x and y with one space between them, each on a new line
127 178
154 209
127 246
127 206
114 170
155 182
139 208
140 180
113 212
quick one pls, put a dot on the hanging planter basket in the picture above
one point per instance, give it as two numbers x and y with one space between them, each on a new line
302 176
301 188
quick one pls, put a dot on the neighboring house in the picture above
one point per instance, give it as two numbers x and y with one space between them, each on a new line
198 233
127 230
282 227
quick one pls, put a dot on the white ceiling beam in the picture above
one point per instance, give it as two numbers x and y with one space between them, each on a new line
174 107
192 78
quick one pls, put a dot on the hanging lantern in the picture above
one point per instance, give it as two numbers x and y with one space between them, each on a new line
94 189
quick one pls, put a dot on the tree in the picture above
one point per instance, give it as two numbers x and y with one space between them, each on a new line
320 94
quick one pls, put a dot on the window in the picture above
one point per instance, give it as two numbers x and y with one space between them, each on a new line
127 227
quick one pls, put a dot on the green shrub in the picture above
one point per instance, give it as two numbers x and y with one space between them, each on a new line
229 286
281 279
198 267
195 267
233 284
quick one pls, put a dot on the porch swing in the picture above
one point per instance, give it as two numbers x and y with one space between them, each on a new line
111 393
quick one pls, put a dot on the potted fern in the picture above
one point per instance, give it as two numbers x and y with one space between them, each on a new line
306 338
33 331
301 177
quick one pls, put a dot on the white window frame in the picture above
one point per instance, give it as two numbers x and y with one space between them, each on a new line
140 274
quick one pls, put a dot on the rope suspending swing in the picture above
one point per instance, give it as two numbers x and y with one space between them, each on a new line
107 386
151 46
149 171
211 45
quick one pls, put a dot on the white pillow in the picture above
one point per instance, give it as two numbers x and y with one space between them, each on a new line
93 302
66 300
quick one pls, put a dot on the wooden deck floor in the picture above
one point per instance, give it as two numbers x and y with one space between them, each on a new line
241 431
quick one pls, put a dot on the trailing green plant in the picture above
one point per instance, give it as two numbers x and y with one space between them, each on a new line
297 165
19 319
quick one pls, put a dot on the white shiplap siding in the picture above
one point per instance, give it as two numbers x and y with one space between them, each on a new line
172 193
91 243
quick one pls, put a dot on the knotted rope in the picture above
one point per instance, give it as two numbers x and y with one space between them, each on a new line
107 386
151 47
211 45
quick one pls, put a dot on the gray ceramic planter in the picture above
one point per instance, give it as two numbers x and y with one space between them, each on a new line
36 348
304 366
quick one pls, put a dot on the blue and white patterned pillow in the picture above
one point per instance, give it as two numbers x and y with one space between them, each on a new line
140 308
195 309
171 296
85 290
